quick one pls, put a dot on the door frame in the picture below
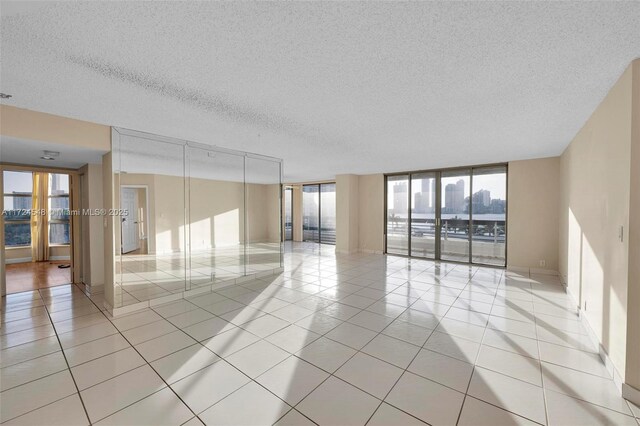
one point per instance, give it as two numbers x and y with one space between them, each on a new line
438 232
75 241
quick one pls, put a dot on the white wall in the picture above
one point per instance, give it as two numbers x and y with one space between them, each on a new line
371 213
533 216
594 205
347 205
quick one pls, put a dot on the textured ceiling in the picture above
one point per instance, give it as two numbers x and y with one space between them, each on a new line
329 87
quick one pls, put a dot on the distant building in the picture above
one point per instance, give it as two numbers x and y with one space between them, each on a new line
482 197
400 203
424 201
454 197
22 203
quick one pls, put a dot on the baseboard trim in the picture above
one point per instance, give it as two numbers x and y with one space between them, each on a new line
341 251
528 270
369 251
17 260
604 356
631 394
59 257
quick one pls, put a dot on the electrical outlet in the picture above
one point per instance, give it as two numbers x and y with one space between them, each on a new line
543 263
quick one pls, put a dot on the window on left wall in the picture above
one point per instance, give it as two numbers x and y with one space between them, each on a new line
58 209
17 192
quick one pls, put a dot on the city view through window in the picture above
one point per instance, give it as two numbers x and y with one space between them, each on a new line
18 204
462 226
17 192
319 213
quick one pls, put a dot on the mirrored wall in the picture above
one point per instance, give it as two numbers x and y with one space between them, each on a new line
191 216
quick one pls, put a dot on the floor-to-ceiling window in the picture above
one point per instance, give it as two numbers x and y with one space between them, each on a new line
489 215
454 214
423 215
328 213
319 213
397 214
288 214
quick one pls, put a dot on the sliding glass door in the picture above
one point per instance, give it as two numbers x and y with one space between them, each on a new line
489 215
423 215
311 213
288 214
319 213
398 214
455 214
328 213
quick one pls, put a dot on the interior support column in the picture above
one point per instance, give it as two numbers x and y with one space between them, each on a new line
347 201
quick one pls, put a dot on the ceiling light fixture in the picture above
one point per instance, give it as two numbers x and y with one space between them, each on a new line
50 155
5 96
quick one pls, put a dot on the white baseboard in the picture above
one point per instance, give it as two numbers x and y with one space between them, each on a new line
93 288
29 259
544 271
369 251
59 258
604 356
630 393
342 251
528 270
17 260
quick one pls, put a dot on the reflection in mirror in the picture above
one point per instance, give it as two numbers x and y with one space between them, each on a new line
191 216
150 231
216 216
264 248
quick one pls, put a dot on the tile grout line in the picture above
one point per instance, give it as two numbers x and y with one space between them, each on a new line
544 390
150 366
86 413
475 362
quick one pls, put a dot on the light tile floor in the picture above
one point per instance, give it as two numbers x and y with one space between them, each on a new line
336 339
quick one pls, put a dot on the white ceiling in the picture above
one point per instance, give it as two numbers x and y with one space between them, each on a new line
27 152
329 87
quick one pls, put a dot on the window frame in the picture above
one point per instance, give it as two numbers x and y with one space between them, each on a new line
439 172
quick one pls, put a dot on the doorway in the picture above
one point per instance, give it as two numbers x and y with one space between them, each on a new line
38 228
457 215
